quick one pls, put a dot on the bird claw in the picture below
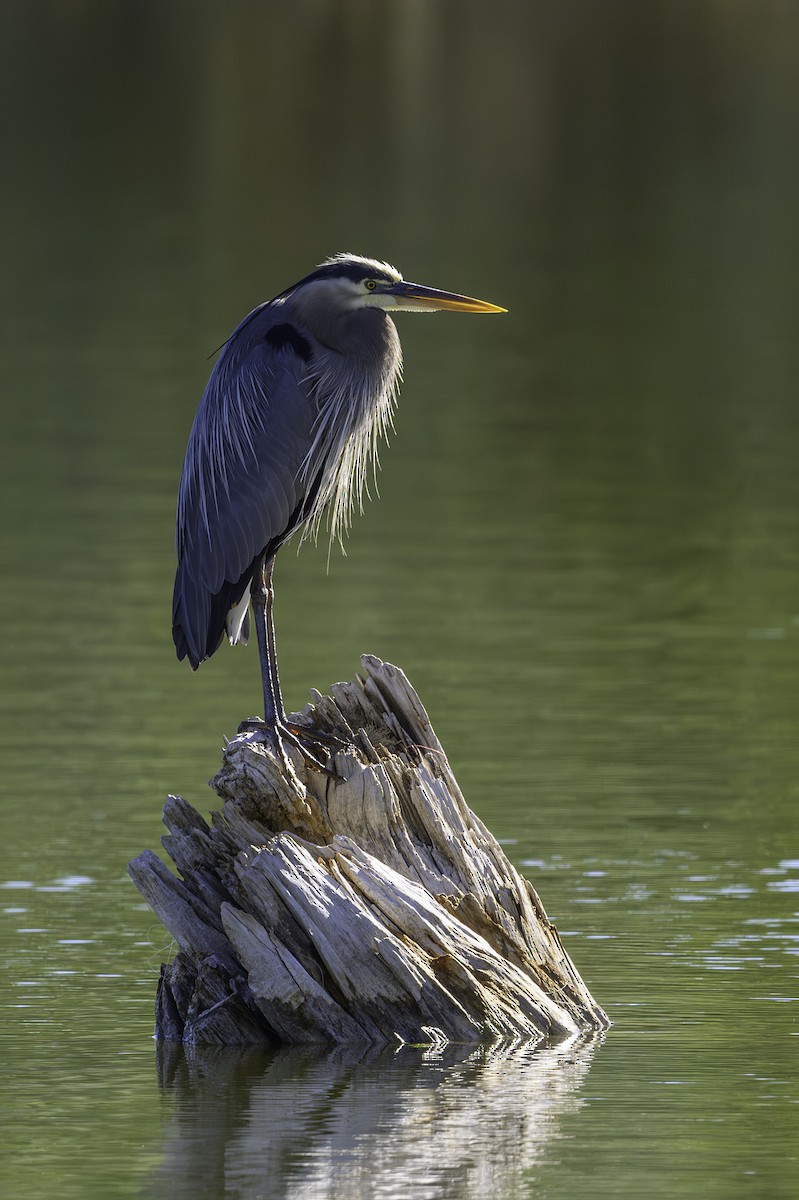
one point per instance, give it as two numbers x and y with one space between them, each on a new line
283 733
316 735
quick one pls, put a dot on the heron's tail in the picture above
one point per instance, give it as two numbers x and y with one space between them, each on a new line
200 619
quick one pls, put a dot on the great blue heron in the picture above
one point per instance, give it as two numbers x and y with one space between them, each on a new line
286 429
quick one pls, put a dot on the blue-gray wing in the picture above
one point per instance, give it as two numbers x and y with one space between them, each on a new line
243 489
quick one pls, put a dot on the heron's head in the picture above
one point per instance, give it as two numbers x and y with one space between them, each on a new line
347 282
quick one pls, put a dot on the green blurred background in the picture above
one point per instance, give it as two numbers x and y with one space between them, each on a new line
585 554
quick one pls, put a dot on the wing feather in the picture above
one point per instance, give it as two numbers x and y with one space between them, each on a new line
243 488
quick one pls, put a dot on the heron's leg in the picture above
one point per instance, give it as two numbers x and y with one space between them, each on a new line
271 648
280 731
263 594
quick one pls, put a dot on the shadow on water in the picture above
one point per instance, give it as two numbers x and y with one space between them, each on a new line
467 1120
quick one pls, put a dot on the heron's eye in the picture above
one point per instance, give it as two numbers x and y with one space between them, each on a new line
370 284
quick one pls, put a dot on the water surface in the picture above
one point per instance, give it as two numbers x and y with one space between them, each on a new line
585 555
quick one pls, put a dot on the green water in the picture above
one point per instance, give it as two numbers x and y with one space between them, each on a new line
585 555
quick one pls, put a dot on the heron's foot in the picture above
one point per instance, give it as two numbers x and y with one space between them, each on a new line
283 733
310 734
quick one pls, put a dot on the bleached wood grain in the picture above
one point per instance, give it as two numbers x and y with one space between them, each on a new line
371 907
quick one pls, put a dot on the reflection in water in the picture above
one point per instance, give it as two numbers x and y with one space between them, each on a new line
466 1121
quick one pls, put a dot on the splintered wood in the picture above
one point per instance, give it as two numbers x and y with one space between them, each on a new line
370 908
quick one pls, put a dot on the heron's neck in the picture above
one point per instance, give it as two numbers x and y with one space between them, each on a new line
363 333
370 338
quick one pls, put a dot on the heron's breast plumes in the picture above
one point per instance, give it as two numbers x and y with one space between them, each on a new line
356 394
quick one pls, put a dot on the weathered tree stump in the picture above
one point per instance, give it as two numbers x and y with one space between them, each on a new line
363 909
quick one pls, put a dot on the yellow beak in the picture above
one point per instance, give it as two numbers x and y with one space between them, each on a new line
413 297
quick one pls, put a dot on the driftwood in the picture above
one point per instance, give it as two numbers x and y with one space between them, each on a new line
363 909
